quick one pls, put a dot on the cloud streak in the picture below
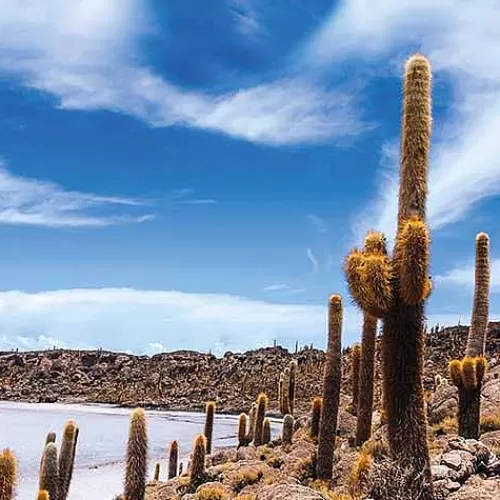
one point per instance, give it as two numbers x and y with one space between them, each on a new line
79 52
33 202
318 223
464 276
312 259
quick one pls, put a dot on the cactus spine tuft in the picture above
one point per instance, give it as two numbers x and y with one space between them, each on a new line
136 462
209 425
43 495
331 390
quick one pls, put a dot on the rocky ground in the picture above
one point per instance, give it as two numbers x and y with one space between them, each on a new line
185 380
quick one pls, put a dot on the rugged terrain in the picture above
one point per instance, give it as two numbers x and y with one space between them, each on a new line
185 380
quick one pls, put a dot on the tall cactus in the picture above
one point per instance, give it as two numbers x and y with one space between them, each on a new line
395 289
366 379
209 425
266 431
66 459
197 469
468 374
287 434
8 474
331 390
262 401
242 429
291 386
281 385
286 391
251 422
173 458
356 359
136 462
49 475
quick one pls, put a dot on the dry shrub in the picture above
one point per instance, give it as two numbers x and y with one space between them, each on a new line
490 423
212 492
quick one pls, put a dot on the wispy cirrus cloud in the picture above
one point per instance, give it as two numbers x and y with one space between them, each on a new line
34 202
318 223
312 259
283 288
463 276
84 52
186 196
463 46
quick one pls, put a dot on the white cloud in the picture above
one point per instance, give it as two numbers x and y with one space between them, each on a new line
85 53
312 259
147 321
463 45
464 276
246 17
318 223
275 286
27 201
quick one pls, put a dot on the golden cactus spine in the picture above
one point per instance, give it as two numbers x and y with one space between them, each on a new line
49 475
209 425
242 430
197 469
136 460
259 419
42 495
287 435
366 379
316 416
395 289
331 390
66 459
8 474
173 457
356 358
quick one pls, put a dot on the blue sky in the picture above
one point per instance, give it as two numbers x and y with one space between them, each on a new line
179 177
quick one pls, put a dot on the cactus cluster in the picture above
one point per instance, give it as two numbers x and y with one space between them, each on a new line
395 288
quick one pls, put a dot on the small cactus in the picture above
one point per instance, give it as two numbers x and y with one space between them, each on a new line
286 391
173 457
156 476
209 425
197 469
316 416
251 422
287 434
49 477
136 463
259 419
280 392
242 430
8 474
266 431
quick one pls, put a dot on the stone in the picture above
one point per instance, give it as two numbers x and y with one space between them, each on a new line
286 491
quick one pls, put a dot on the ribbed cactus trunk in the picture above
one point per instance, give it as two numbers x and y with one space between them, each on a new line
173 458
287 434
67 458
470 398
242 430
291 386
356 359
209 425
136 460
49 480
395 289
259 419
316 416
366 379
197 469
331 390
